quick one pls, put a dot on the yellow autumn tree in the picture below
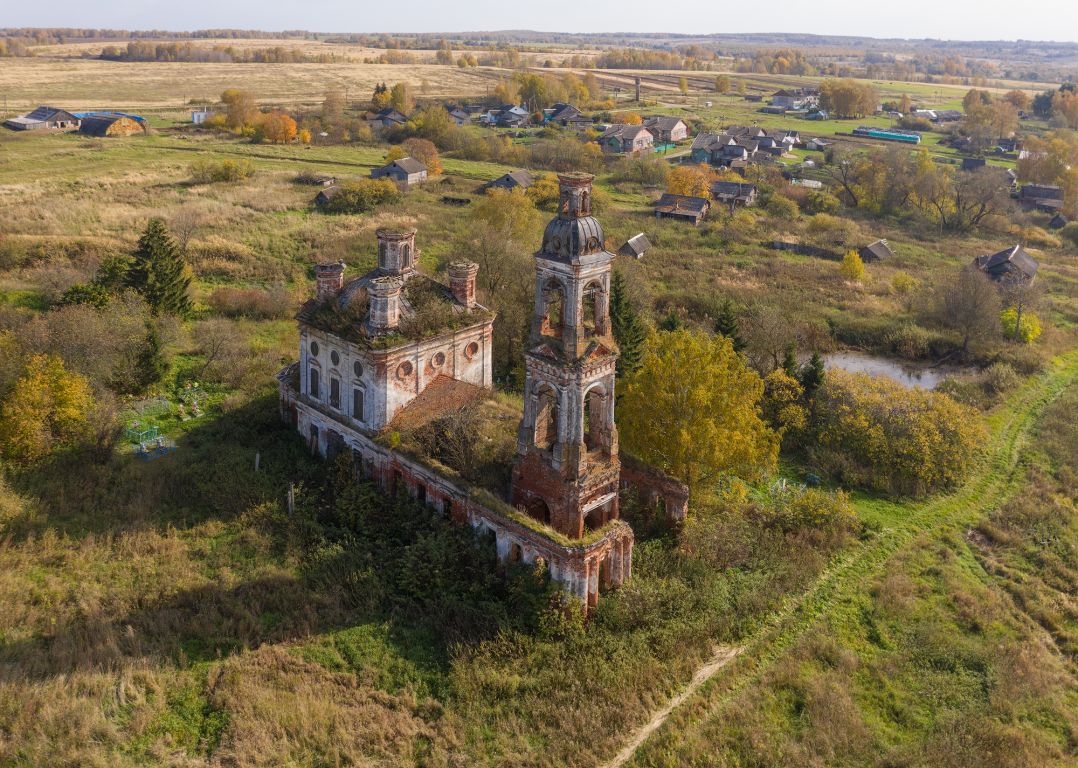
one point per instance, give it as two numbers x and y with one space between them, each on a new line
693 409
692 180
278 127
48 408
852 268
425 152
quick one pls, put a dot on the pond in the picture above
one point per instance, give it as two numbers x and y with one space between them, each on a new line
908 374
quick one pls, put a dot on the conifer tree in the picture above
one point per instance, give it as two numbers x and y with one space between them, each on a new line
151 365
629 330
726 325
789 361
812 375
159 271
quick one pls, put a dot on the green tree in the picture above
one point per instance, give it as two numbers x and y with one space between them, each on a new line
726 324
693 409
510 211
48 408
159 271
92 294
629 330
151 364
811 375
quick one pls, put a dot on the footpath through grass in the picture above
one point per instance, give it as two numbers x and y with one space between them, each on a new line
836 592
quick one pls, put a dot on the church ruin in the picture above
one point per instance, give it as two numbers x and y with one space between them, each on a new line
394 346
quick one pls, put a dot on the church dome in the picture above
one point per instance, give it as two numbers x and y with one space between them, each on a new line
569 237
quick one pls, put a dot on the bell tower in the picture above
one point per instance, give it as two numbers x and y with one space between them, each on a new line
566 470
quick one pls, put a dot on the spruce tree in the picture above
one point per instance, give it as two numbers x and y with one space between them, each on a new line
629 330
812 374
789 361
726 324
159 271
151 365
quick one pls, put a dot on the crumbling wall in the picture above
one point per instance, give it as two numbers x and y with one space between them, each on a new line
655 487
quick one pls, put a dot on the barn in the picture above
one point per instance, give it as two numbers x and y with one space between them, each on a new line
110 125
43 118
406 172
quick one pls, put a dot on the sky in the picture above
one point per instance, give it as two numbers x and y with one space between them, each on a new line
955 20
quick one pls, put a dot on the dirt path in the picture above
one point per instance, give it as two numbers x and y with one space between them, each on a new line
835 589
724 654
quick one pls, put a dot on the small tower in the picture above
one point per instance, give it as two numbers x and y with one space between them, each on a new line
566 470
329 279
396 252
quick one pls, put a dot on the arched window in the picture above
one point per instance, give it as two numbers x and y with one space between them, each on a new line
585 199
546 419
314 386
593 309
357 403
406 256
594 418
553 308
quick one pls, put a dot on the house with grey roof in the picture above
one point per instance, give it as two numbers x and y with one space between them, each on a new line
636 246
1009 265
44 119
406 172
668 130
511 180
876 251
1041 197
682 207
626 140
733 193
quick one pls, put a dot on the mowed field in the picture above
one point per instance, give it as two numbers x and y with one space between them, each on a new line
95 84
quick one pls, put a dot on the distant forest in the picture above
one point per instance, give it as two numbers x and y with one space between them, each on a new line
777 53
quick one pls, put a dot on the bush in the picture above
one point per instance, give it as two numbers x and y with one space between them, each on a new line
251 302
1070 232
363 196
782 207
1030 326
1037 237
818 201
876 433
208 171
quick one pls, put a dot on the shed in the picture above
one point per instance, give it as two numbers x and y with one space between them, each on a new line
110 125
511 180
973 163
636 246
43 118
1058 221
1008 265
406 172
877 251
684 207
327 194
1043 197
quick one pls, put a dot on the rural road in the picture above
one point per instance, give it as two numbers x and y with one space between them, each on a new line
723 655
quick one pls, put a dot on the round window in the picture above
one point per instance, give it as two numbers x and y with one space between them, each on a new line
438 360
404 370
335 357
314 348
471 350
357 367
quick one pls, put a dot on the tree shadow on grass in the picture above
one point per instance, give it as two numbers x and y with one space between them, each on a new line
210 475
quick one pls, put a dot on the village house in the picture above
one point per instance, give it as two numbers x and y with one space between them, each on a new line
1009 265
626 140
795 98
818 145
668 130
44 119
511 180
386 118
368 372
110 125
406 172
742 143
561 114
733 193
459 116
878 250
682 207
506 116
973 163
1041 197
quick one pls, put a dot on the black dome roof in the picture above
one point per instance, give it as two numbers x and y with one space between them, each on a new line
566 237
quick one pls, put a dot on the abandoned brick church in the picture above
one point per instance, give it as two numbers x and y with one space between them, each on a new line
394 347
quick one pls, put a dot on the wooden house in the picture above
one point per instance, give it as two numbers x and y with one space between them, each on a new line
669 130
322 198
733 193
407 172
626 140
876 251
1041 197
973 163
682 207
44 119
386 118
1008 265
511 180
